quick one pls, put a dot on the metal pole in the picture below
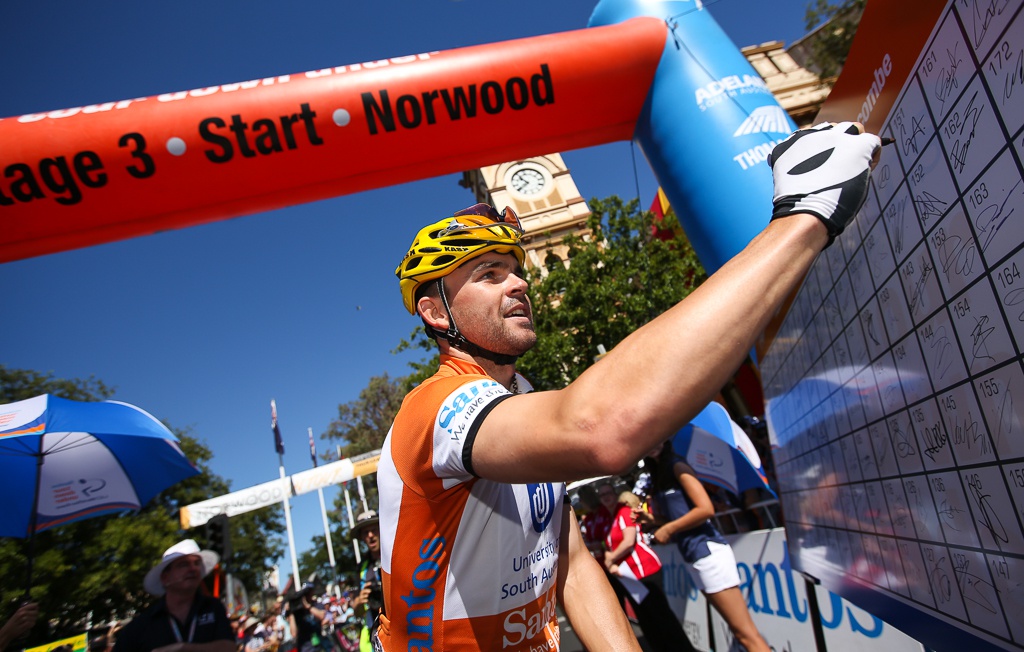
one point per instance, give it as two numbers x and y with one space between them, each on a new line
327 528
288 523
362 493
323 510
352 524
285 490
34 519
229 589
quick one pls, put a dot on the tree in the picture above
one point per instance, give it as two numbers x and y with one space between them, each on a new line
364 422
92 570
20 384
315 559
835 26
618 279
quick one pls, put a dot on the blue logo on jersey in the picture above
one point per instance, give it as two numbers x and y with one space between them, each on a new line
542 505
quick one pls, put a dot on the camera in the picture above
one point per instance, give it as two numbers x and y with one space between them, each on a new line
374 601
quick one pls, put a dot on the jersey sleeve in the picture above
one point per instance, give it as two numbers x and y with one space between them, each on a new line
456 426
449 413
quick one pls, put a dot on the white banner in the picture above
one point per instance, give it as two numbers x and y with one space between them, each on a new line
273 492
235 503
689 604
335 472
777 599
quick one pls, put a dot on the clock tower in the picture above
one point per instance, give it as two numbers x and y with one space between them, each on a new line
544 196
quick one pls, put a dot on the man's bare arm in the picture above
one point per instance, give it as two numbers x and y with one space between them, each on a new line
587 598
659 377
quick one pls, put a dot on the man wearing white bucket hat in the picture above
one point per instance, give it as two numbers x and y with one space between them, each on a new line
183 619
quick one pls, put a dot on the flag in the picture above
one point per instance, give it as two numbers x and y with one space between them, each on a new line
278 444
312 447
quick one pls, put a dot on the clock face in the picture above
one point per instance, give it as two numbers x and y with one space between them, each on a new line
528 181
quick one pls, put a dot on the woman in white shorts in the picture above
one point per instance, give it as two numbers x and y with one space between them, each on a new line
681 509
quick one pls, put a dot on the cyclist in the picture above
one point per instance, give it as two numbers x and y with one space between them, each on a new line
477 540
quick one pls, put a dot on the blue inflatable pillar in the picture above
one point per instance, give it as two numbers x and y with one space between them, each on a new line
707 126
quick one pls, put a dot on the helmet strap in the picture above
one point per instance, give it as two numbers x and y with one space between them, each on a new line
459 341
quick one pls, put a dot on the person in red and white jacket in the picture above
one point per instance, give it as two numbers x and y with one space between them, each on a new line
638 570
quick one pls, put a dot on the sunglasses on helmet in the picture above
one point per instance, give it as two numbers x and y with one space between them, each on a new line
506 217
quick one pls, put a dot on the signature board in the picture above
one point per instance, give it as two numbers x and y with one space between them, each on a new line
895 385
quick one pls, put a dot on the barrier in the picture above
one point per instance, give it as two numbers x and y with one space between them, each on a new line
778 601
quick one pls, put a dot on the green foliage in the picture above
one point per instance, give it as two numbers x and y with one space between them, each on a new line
315 560
619 279
20 384
363 423
830 45
425 368
95 568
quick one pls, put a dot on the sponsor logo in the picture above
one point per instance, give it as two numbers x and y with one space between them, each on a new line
419 602
764 120
469 399
525 624
707 459
772 590
880 75
534 582
92 486
718 91
542 505
755 155
549 549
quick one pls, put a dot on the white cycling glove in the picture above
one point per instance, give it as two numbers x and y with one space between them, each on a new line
823 171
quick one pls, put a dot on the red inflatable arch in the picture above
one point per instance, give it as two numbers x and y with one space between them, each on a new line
81 176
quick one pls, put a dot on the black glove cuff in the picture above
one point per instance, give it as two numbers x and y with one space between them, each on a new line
786 207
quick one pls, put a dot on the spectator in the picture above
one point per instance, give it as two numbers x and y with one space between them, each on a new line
257 636
182 614
367 604
282 628
305 620
99 643
682 508
639 573
23 620
595 521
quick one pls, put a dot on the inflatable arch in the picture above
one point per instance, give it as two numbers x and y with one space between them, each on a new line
662 73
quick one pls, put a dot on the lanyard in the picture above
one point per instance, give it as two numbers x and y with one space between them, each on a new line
372 572
177 632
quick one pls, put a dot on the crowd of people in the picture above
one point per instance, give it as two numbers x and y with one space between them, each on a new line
309 619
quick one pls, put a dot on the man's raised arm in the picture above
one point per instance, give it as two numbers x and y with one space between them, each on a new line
659 377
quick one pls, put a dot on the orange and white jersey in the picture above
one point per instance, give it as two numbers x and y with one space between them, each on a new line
467 563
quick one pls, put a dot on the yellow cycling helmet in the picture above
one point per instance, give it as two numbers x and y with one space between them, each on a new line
444 245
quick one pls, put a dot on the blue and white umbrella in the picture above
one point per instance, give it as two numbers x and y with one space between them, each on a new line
720 452
63 461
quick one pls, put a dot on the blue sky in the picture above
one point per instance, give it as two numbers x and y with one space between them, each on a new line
203 326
